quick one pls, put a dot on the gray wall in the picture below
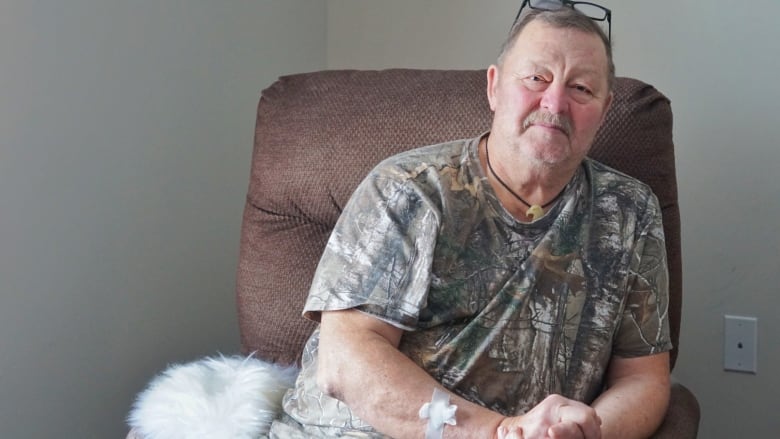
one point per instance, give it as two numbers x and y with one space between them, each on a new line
718 62
125 136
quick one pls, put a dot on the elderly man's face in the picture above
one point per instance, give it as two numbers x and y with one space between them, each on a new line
550 94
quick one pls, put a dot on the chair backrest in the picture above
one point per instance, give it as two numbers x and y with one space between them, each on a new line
318 134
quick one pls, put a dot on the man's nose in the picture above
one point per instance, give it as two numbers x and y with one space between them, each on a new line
555 99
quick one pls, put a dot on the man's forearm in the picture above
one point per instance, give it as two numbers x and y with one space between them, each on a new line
364 369
634 404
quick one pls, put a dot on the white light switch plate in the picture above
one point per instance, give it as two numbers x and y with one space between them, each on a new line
740 343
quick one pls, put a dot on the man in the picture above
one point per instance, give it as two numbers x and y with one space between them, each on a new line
523 280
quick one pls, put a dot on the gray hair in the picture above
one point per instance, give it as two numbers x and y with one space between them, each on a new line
562 18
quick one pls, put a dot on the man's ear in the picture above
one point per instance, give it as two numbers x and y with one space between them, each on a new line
492 83
606 108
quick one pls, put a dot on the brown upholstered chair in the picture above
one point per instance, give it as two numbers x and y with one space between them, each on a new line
318 134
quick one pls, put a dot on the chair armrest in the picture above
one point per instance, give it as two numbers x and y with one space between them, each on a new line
682 417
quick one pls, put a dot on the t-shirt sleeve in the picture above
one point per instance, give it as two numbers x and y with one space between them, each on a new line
379 254
644 326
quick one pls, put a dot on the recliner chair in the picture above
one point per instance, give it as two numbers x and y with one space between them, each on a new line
318 134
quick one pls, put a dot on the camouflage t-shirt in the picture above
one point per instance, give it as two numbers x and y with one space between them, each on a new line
499 311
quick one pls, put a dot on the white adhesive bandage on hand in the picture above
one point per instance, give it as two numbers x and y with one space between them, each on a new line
438 412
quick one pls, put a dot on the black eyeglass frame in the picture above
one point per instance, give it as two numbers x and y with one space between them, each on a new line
607 12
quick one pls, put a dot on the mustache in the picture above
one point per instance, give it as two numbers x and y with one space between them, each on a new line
558 121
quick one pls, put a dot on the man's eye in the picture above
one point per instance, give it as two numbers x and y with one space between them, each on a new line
582 89
535 82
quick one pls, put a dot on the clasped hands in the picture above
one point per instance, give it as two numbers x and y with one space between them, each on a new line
556 417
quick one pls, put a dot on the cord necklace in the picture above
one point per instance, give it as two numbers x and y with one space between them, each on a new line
534 210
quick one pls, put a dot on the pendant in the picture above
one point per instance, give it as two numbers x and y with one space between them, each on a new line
534 212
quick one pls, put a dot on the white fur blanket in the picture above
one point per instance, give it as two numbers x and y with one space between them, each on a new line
215 398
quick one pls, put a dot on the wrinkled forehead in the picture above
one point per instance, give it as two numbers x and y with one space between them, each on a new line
542 40
560 18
